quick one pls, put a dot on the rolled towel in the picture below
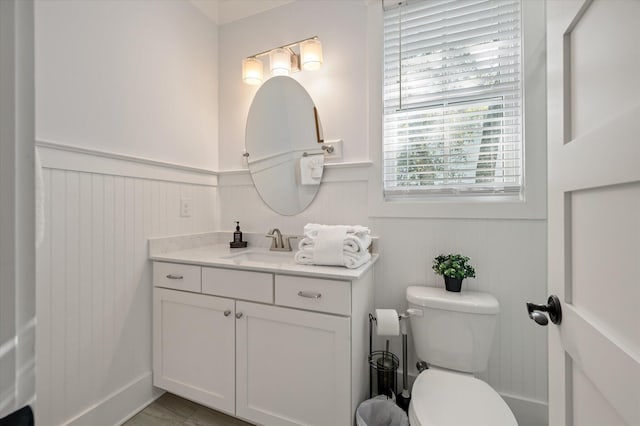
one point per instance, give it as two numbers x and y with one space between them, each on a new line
355 244
352 243
352 260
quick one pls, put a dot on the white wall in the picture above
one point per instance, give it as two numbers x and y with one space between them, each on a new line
131 77
338 88
509 254
17 257
132 85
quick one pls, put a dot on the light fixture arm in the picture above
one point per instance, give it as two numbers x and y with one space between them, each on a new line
286 46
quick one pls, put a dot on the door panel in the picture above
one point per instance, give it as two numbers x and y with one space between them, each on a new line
293 367
594 210
604 234
590 407
597 95
193 347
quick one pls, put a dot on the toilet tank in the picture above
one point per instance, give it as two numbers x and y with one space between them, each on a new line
456 329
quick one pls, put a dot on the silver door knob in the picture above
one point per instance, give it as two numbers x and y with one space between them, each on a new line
227 313
239 315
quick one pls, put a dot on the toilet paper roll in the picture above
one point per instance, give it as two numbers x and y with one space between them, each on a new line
387 322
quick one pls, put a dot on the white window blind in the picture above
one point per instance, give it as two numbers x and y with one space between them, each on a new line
452 98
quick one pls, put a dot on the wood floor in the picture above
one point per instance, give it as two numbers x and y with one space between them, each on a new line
171 410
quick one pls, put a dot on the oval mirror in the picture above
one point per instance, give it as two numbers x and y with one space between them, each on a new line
281 127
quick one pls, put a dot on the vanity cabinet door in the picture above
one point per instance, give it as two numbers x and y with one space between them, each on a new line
193 347
293 367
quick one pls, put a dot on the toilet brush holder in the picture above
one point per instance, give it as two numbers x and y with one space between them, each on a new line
384 367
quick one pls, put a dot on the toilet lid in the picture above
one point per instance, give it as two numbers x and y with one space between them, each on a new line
444 398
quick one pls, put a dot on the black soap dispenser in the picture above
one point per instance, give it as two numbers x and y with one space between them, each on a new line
237 238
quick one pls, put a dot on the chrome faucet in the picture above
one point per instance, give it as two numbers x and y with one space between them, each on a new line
279 242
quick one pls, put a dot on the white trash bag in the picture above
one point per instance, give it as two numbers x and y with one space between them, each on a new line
380 411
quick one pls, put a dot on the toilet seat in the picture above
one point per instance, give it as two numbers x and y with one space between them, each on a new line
446 398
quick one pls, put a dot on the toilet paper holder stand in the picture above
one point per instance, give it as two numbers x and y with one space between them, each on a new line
404 397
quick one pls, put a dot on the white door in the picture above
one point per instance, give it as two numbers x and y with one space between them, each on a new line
293 367
594 211
194 347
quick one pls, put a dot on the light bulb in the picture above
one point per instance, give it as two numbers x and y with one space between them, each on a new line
280 61
252 71
311 54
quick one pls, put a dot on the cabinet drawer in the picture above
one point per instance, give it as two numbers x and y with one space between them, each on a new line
176 276
314 293
246 285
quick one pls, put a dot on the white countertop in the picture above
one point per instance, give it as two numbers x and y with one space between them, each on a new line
215 255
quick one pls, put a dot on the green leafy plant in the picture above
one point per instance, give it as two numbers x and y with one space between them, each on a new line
454 266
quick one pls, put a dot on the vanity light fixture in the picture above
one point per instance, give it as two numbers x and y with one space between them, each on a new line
252 71
284 60
311 54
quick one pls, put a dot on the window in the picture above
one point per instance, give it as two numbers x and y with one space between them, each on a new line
452 99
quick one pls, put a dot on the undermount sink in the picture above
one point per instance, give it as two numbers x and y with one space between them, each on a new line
261 257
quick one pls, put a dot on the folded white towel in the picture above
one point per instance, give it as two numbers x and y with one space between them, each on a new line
311 229
334 245
352 243
311 168
317 166
329 246
350 260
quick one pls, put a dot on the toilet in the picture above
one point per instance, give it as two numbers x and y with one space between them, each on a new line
453 333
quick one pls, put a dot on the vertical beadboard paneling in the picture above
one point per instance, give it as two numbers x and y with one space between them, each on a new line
72 320
57 286
509 255
85 291
94 284
98 280
43 306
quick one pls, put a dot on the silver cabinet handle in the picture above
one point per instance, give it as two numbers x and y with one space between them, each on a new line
310 294
174 277
227 313
239 315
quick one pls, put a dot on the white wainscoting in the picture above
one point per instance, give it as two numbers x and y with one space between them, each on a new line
94 280
509 256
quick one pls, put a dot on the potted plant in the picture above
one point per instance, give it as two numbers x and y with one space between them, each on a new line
454 268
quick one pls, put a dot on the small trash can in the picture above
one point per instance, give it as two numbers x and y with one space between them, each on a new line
380 411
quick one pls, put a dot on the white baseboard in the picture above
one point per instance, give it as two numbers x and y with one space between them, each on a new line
129 399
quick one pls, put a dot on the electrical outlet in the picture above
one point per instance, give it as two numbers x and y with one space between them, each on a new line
185 207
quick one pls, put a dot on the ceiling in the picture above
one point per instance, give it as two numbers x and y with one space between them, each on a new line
224 11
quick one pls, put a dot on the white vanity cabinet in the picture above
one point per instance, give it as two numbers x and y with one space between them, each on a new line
193 341
293 366
273 349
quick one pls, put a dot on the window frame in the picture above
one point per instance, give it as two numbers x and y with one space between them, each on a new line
449 156
531 204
